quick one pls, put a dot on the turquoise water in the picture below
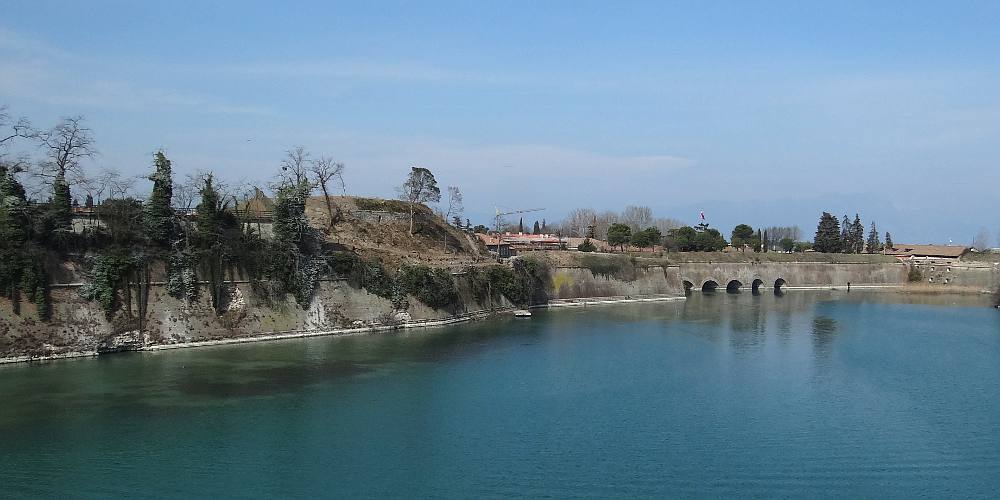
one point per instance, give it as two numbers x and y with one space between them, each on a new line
810 394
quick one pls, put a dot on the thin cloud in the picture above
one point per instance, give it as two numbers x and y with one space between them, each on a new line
365 71
35 71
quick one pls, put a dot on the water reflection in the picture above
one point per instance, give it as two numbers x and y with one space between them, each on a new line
824 332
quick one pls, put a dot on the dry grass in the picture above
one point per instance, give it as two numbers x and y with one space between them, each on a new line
387 237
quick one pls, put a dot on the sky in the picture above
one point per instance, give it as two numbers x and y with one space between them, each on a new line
765 113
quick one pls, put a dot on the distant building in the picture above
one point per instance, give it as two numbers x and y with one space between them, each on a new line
508 244
928 252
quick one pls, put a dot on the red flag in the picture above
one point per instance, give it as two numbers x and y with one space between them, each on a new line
702 215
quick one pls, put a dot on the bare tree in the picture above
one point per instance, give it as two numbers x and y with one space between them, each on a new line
183 196
982 240
455 205
576 222
637 218
295 166
420 187
101 183
65 145
603 222
665 224
323 171
10 130
121 186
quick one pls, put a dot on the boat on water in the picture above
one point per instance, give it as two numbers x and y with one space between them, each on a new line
522 313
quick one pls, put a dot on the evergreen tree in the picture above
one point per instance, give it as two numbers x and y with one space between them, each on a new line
857 235
60 213
619 235
207 213
14 218
537 229
520 225
757 241
828 234
742 235
888 241
420 187
290 224
468 225
544 229
845 236
874 245
765 242
89 201
158 215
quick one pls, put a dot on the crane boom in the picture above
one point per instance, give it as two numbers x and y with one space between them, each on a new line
512 212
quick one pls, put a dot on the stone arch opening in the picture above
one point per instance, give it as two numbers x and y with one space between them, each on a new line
778 283
687 287
756 285
709 286
734 286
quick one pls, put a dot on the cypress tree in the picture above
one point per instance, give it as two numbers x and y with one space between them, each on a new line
60 207
828 235
520 225
537 229
158 216
888 241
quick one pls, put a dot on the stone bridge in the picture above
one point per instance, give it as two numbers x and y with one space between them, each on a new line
755 276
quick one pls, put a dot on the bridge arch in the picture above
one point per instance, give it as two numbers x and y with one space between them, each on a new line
778 283
734 286
688 285
709 285
755 286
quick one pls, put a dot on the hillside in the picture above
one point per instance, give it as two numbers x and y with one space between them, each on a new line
373 227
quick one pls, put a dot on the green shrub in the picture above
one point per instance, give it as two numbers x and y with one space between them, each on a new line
587 246
368 274
611 266
434 287
914 274
107 273
182 280
380 205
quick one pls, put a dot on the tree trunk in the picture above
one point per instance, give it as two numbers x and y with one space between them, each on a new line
329 206
411 218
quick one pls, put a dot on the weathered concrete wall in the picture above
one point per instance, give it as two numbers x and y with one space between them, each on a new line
978 276
793 273
575 282
578 275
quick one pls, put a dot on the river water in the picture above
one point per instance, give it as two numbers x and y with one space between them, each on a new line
810 394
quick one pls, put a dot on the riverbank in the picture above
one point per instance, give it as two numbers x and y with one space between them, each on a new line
272 336
473 316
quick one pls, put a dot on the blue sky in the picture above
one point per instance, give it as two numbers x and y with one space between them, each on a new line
760 112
